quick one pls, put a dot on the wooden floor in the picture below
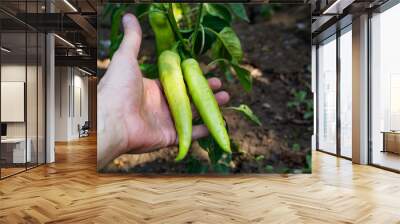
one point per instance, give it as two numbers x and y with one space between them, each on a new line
10 171
387 159
70 191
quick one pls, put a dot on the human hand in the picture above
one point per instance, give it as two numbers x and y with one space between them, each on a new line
133 112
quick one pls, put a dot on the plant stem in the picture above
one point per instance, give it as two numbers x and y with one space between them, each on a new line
203 38
176 29
212 31
185 15
148 12
196 30
218 60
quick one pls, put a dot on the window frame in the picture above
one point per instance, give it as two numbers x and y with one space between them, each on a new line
339 32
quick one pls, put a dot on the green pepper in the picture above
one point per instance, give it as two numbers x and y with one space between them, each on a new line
164 35
171 78
205 102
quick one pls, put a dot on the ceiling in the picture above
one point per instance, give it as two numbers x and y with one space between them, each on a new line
74 21
19 54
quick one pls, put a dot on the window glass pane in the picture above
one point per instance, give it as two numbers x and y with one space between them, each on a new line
346 94
15 150
385 84
32 84
327 96
22 88
31 97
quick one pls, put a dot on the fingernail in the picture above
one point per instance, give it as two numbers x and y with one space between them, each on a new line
126 19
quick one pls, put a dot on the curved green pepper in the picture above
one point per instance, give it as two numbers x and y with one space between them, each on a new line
169 67
205 102
164 35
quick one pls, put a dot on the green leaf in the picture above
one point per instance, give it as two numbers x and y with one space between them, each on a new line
186 10
219 160
239 10
244 77
260 158
115 33
160 6
195 166
218 10
310 104
227 158
235 148
108 9
186 33
214 23
283 170
269 169
308 115
293 104
221 168
116 23
205 44
149 70
301 95
178 12
226 71
218 51
247 112
296 147
141 9
309 160
231 43
211 146
115 44
267 11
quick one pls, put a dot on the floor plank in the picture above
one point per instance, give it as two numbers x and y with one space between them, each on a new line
70 191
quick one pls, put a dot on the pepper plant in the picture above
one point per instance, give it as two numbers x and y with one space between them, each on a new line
204 32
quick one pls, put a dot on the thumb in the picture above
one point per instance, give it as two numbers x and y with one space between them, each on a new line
130 45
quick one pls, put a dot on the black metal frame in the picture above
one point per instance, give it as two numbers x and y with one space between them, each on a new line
317 96
338 98
44 78
337 34
369 114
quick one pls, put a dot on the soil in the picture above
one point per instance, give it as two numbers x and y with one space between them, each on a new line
277 52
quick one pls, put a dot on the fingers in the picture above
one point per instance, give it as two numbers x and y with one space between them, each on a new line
222 98
214 83
199 131
130 45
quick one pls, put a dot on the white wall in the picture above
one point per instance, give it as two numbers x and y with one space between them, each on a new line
9 73
80 109
62 81
71 94
12 73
